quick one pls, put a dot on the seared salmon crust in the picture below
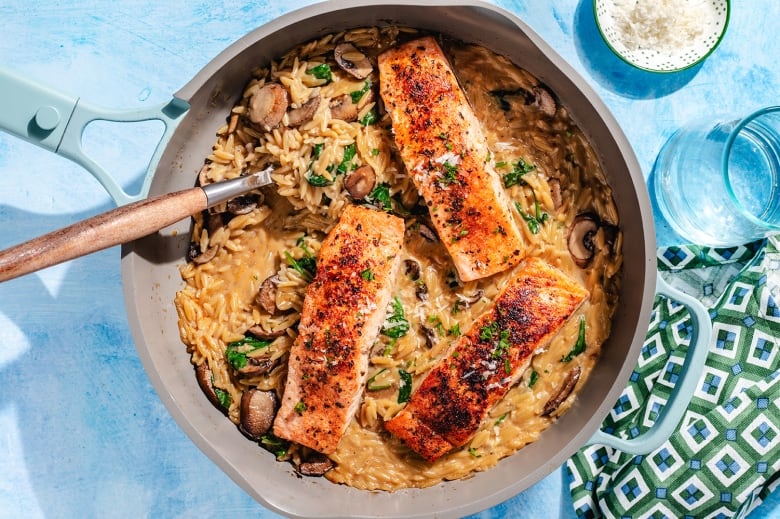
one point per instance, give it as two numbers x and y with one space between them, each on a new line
454 398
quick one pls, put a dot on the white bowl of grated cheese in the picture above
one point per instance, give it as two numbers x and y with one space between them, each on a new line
662 35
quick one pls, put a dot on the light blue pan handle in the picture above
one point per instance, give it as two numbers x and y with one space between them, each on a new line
683 391
56 122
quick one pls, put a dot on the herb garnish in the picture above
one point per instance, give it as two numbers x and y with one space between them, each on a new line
535 220
533 378
300 407
404 386
370 386
579 346
367 274
237 351
515 176
396 324
368 119
223 397
273 443
321 71
380 197
357 95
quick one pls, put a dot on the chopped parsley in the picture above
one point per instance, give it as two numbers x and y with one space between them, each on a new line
436 322
500 419
450 173
454 330
515 176
487 332
300 407
223 397
579 346
380 196
534 220
473 452
237 351
368 119
396 324
321 71
533 378
367 274
273 443
405 386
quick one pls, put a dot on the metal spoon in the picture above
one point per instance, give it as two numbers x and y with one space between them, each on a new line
121 225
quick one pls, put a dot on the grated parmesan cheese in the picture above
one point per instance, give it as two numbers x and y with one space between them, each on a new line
663 25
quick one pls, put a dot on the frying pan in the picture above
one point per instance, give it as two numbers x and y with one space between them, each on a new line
151 278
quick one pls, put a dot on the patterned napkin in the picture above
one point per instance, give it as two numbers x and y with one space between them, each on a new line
724 457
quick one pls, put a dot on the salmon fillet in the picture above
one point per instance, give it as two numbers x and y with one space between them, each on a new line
343 311
446 154
453 399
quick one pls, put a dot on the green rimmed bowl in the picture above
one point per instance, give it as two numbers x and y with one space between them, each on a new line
613 19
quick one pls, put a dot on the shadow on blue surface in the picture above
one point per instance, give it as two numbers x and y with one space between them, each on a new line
613 73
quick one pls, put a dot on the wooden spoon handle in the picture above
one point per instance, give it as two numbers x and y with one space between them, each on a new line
119 225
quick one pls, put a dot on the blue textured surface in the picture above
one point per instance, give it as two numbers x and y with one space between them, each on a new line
82 432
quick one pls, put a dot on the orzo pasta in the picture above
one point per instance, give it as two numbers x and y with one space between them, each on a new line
324 130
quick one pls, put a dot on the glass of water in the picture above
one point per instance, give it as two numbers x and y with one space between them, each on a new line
718 184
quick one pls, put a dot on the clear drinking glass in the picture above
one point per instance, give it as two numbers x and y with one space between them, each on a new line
718 184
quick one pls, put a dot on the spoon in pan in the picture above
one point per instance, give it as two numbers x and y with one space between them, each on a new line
122 225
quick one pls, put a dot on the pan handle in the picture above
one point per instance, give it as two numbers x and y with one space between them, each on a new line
684 388
56 122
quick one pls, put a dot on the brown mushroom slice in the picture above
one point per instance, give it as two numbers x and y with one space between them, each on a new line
243 204
421 290
467 301
206 256
343 108
427 233
315 465
266 335
268 105
205 381
569 383
304 113
580 238
431 337
412 269
258 410
352 61
544 100
555 193
257 365
266 295
360 182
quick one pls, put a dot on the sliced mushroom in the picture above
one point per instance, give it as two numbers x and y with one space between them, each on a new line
555 193
580 238
255 366
611 234
205 381
206 256
243 204
265 335
412 269
268 105
315 465
569 383
258 409
343 108
430 336
467 301
304 113
428 233
409 198
544 100
360 182
266 295
352 61
421 290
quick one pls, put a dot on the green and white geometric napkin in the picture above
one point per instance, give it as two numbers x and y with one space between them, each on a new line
724 457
